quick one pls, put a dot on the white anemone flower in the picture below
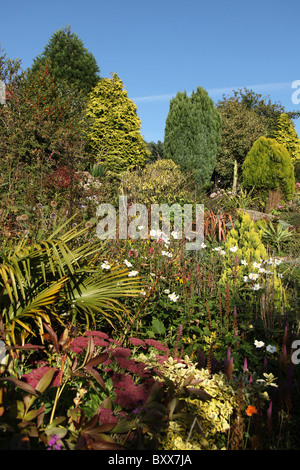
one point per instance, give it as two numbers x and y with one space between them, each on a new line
256 265
133 273
255 287
253 276
173 297
128 264
105 265
271 349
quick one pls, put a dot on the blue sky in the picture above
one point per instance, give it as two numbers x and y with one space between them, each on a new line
160 47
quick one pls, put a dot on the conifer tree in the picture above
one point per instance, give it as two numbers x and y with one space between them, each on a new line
286 135
193 134
268 167
241 127
114 127
70 60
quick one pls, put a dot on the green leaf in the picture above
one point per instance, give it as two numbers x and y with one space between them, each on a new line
124 426
61 432
45 381
158 327
201 394
20 384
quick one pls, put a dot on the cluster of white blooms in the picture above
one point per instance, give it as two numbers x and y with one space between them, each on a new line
105 265
270 348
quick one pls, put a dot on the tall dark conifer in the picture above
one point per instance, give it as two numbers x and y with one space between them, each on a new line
70 61
193 134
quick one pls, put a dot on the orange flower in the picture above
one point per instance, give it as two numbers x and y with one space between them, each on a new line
251 410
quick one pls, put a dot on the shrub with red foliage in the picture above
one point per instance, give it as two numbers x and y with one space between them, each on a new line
62 177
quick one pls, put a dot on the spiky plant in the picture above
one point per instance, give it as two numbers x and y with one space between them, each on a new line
59 278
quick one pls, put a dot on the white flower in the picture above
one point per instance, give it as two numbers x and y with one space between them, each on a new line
271 349
277 262
105 265
256 265
175 235
262 270
128 264
203 245
222 252
140 227
133 273
280 275
218 248
167 253
155 233
244 262
255 287
245 278
253 276
167 291
173 297
233 249
259 344
143 292
152 274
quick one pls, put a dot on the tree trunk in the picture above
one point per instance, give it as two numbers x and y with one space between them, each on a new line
235 177
275 197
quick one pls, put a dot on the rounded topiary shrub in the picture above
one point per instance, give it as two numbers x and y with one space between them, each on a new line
269 169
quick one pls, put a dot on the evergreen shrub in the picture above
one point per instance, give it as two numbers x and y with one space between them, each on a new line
161 182
268 167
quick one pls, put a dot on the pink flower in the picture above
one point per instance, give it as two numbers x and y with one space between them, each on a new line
120 352
106 415
128 394
156 344
33 377
132 366
137 342
97 333
79 344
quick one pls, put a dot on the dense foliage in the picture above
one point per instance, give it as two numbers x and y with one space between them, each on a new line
241 127
193 134
140 343
114 127
286 135
268 166
71 62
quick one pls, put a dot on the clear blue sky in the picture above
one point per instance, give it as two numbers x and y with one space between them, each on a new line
160 47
